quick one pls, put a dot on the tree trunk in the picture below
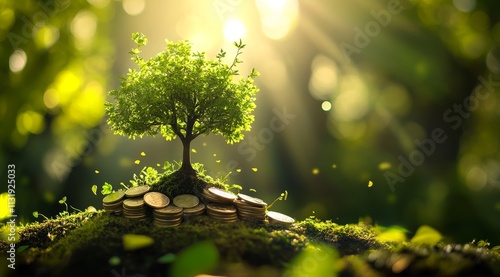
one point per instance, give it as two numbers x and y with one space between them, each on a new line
186 158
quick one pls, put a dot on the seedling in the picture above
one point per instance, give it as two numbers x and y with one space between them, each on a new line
283 196
36 214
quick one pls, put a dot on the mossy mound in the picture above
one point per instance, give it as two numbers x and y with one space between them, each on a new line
179 182
92 244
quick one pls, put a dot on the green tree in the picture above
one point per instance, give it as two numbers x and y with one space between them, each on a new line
179 93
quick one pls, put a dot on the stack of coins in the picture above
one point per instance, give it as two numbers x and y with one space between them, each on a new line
280 219
250 208
222 212
216 195
113 202
170 216
197 210
134 208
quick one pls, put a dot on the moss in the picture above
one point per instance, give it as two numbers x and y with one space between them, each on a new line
87 242
349 239
180 182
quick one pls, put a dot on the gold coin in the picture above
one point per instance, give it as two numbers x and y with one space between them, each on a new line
242 205
195 210
116 206
252 200
156 200
133 203
223 195
164 225
137 191
113 197
218 208
169 210
186 201
280 218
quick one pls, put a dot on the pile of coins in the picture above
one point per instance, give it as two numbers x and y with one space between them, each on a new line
133 206
169 216
250 208
216 195
190 213
221 205
190 204
113 202
222 212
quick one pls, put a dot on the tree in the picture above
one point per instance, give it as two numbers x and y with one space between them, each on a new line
179 93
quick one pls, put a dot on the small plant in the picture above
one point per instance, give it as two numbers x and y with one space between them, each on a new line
36 214
179 93
283 196
63 201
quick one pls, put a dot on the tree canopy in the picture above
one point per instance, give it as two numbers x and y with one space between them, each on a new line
180 93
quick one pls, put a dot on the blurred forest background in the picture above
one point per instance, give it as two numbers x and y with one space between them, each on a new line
347 87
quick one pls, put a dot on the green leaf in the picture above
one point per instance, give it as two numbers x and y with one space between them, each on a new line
63 200
167 258
94 189
426 235
106 188
35 214
22 248
315 260
202 257
133 242
114 261
392 234
140 39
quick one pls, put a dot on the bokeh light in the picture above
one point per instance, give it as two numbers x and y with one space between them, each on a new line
134 7
17 61
277 17
326 106
324 77
234 30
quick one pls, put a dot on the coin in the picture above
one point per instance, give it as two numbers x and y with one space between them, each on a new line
156 200
223 209
168 216
222 195
113 197
252 200
275 217
197 210
186 201
133 202
137 191
168 212
163 223
134 208
209 197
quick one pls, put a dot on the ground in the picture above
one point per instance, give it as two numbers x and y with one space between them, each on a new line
95 243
